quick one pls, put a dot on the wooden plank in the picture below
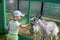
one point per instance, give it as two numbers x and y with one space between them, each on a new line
52 19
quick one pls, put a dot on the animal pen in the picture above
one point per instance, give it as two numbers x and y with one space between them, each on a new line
48 9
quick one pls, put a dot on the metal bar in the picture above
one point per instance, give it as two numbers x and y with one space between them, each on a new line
4 5
17 4
29 10
42 6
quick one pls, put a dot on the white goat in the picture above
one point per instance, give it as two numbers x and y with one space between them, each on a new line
48 28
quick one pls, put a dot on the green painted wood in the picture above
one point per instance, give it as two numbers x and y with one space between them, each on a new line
1 17
23 37
24 21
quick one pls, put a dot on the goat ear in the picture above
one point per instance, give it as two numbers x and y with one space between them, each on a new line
38 16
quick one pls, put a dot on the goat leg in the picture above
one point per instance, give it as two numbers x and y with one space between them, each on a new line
51 38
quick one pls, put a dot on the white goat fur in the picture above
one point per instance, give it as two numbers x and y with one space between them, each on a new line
47 28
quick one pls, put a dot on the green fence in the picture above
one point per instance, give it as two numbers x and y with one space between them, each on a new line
51 10
32 8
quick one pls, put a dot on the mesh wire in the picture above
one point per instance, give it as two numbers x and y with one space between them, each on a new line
51 10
